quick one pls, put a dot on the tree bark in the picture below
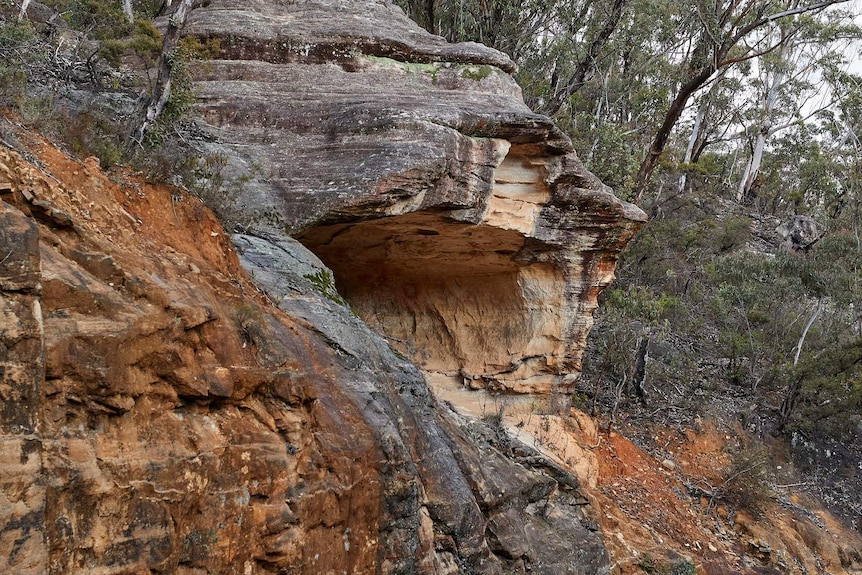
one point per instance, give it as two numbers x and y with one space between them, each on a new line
663 133
640 376
23 11
162 91
127 10
430 15
808 325
689 149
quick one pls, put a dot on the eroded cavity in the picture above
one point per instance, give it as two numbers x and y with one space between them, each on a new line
464 301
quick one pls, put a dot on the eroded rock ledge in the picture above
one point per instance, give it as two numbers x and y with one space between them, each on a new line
160 415
456 221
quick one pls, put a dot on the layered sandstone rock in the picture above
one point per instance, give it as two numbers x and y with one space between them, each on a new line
159 415
457 222
163 413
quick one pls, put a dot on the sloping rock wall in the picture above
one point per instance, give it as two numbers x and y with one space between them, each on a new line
456 221
160 415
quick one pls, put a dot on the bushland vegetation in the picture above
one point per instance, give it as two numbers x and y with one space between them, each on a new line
92 75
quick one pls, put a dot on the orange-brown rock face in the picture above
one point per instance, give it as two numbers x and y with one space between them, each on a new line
456 222
154 417
163 413
160 415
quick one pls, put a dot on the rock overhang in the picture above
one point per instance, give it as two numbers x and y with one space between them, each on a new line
456 221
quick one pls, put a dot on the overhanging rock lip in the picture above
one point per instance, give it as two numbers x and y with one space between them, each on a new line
596 201
320 34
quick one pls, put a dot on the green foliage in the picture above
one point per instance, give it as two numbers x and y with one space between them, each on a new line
580 400
20 51
207 178
605 149
747 480
824 395
323 282
97 19
638 302
476 73
144 42
90 132
148 8
189 52
649 564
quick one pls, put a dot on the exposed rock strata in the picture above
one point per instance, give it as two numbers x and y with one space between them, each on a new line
159 415
456 221
168 418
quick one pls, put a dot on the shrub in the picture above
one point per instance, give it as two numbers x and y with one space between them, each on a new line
658 567
97 19
746 482
20 51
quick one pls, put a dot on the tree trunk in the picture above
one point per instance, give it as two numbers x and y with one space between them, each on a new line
808 325
670 120
23 11
752 168
127 9
773 82
689 149
579 76
430 15
162 91
721 47
640 376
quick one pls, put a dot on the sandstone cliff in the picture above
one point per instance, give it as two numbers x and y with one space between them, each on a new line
177 398
162 416
457 222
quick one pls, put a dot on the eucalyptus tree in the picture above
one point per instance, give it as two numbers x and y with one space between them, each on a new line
788 83
556 43
730 32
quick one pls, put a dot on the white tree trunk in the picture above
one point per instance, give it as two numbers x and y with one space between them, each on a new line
808 325
23 11
162 92
127 8
689 150
753 166
789 54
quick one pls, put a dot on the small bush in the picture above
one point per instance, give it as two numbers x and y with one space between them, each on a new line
99 20
323 282
20 52
637 302
746 483
654 566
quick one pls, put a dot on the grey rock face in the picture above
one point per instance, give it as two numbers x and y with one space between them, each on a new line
800 233
455 499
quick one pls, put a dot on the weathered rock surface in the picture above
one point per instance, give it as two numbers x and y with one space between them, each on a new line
160 412
457 222
161 416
